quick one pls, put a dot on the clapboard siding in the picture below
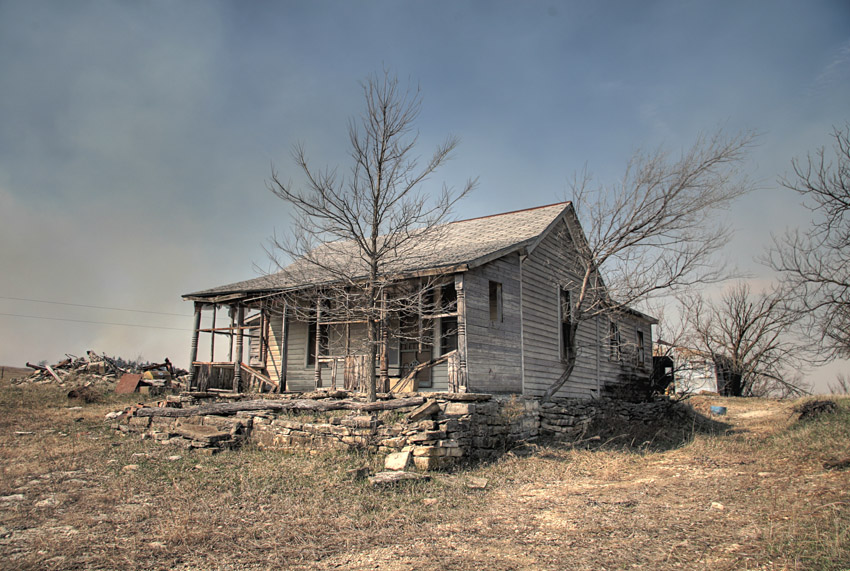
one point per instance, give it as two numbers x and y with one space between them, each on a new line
299 377
494 353
549 265
273 360
546 267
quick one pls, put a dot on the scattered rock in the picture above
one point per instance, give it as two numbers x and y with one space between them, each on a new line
12 498
130 467
173 458
717 506
430 501
47 502
477 483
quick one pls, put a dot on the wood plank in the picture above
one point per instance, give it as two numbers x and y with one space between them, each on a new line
228 408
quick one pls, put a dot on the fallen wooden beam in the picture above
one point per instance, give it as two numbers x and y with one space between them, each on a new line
257 374
53 374
227 408
421 367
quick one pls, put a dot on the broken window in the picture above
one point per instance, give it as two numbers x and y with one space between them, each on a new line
448 298
448 334
495 301
564 317
641 350
614 341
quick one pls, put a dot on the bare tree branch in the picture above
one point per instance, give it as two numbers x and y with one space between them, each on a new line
814 263
654 233
352 230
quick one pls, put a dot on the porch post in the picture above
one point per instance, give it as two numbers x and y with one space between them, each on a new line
264 336
232 313
385 336
317 374
212 335
461 334
284 347
237 365
193 351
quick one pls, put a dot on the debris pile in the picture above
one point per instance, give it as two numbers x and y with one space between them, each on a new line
98 370
94 368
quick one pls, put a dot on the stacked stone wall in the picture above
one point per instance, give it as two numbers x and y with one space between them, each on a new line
448 428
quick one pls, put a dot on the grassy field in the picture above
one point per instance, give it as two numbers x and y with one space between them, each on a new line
762 491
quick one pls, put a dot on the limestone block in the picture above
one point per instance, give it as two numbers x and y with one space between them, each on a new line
454 452
427 435
425 463
139 421
428 451
459 408
360 422
398 461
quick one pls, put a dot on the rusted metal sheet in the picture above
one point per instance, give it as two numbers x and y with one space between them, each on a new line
128 383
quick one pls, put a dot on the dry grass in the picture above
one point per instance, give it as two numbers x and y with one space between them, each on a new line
761 492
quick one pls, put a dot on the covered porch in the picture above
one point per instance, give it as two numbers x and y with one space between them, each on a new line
277 341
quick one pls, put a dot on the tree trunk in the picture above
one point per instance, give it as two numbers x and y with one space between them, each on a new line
372 395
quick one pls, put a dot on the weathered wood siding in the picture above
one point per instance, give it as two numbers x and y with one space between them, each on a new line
299 377
494 356
274 363
549 265
545 268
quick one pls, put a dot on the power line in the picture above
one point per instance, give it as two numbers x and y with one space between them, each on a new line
96 322
93 306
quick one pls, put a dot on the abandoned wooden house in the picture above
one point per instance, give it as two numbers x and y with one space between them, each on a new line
486 314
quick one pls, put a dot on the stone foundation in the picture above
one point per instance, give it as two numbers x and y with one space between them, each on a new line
438 434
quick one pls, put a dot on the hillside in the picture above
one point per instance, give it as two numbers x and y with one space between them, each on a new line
761 490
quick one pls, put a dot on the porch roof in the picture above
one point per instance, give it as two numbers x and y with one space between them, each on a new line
456 244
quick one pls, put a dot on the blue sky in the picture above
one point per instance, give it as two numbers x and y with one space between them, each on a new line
137 136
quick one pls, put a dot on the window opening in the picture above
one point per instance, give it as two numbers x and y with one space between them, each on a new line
448 334
565 313
641 351
496 301
614 341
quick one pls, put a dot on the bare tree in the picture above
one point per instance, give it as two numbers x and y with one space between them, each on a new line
841 386
750 338
350 230
814 262
653 233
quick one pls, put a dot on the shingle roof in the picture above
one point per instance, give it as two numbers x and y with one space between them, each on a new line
461 242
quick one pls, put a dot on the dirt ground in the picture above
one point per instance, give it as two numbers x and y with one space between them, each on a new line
757 491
